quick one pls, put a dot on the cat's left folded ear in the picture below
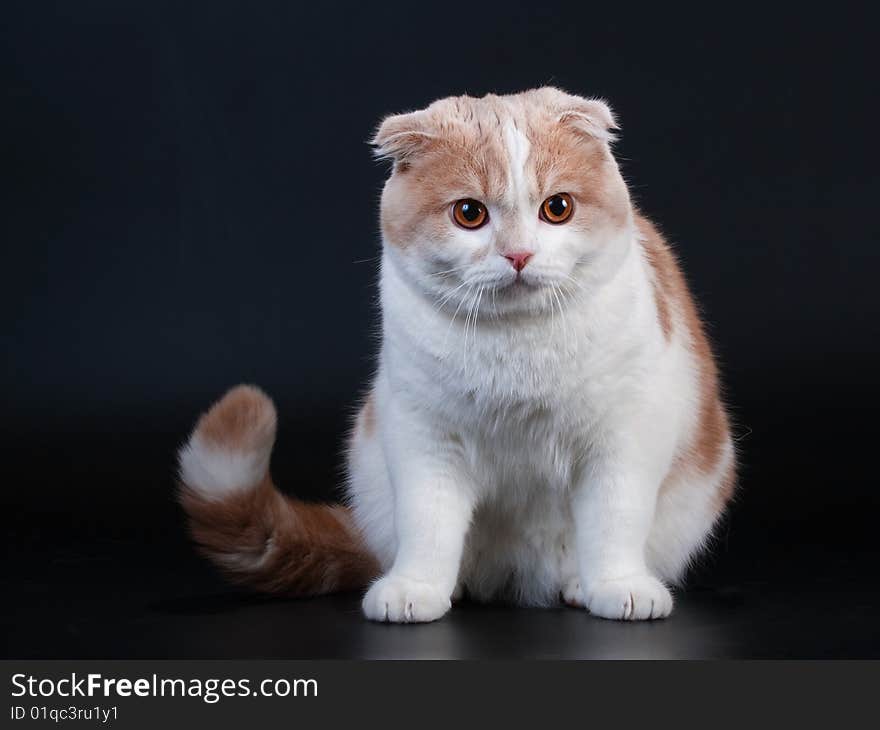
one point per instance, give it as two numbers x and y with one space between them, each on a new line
401 135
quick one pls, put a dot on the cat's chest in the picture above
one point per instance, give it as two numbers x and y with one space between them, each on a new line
527 446
528 389
517 377
521 441
524 405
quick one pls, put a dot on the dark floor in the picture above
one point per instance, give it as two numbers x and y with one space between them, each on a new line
98 565
126 598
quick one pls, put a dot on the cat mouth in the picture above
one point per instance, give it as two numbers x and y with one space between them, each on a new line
523 282
510 288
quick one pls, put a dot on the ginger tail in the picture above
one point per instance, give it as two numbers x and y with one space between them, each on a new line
258 536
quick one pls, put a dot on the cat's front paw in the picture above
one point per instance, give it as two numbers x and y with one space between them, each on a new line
402 600
634 598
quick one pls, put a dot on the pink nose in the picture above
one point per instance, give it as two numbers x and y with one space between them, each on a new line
518 260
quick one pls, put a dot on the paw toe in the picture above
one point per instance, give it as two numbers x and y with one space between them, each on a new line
401 600
636 598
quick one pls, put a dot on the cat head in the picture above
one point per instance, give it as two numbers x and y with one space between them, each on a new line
518 194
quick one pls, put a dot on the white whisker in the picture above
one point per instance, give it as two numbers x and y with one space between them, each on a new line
442 302
472 313
448 271
562 317
455 314
574 281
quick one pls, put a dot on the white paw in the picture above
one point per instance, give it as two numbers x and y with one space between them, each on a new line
635 598
573 594
401 600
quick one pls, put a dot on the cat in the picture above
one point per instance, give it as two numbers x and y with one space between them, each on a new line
545 422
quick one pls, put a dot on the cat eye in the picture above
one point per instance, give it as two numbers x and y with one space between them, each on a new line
557 208
469 213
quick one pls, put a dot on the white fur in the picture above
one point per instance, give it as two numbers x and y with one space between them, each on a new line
521 444
518 148
217 473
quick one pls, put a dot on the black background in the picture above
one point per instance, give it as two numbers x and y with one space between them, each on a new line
190 203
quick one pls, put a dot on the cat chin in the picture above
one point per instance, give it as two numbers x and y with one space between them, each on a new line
524 288
523 298
519 295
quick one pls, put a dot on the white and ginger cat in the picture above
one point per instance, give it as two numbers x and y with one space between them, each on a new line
545 421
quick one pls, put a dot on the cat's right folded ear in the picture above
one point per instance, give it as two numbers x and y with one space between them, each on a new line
401 135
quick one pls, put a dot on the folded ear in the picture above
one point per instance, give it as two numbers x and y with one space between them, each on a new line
401 136
590 116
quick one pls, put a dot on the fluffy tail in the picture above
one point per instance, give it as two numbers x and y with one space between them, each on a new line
241 522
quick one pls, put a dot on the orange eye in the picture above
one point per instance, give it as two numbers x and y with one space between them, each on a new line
469 213
557 208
